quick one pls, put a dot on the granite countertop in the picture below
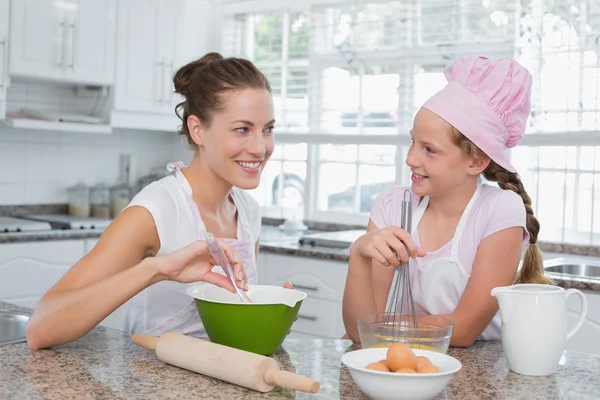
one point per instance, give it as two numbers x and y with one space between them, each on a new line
105 364
273 240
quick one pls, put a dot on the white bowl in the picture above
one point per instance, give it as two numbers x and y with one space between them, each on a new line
394 385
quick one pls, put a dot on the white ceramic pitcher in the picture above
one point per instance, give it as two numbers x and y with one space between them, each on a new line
534 326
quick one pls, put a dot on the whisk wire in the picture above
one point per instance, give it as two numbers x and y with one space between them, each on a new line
401 316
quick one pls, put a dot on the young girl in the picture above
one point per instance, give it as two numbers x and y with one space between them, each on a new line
228 117
467 237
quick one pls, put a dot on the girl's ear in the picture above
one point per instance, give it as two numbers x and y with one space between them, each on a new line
478 165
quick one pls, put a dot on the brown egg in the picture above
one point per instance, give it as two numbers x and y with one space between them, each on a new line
429 369
378 366
422 361
406 371
384 362
399 356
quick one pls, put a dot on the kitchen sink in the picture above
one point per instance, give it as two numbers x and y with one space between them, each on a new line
12 327
581 270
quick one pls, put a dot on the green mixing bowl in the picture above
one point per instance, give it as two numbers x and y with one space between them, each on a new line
259 327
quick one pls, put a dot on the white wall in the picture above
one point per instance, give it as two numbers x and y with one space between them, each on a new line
36 167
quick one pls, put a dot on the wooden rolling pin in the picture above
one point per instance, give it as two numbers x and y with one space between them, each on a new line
239 367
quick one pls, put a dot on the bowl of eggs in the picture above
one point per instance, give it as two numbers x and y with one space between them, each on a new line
399 371
432 332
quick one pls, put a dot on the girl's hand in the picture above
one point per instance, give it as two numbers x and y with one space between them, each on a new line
390 246
193 263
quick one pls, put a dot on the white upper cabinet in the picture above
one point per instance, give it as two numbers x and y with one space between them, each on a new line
4 9
148 38
69 40
156 37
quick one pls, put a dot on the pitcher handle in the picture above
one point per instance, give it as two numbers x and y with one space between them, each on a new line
583 313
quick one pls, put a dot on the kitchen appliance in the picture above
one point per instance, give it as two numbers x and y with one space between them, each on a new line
239 367
62 221
534 325
10 224
340 239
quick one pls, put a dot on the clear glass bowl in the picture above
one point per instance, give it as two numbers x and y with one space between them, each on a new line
383 329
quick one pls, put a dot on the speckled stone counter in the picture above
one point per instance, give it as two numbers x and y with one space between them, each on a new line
57 234
275 241
106 365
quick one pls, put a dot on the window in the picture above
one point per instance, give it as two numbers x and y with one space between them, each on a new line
348 78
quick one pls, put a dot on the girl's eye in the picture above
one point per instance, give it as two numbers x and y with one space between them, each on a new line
241 130
269 129
430 150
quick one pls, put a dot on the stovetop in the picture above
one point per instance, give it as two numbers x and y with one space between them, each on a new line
10 224
62 221
339 239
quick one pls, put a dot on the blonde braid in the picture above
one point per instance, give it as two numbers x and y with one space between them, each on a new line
532 270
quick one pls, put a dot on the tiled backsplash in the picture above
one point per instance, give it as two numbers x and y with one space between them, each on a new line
36 167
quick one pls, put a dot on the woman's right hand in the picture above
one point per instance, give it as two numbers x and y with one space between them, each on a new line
390 246
193 263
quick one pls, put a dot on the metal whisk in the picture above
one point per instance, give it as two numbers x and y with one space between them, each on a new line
401 316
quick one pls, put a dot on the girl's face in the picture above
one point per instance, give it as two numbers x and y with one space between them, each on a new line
239 141
437 164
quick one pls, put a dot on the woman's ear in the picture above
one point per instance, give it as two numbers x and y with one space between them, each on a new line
196 130
478 165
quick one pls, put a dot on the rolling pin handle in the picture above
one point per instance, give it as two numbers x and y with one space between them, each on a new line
146 341
291 380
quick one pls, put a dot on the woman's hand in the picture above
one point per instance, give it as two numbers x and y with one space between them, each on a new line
390 246
193 263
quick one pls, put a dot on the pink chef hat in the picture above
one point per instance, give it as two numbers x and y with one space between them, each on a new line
488 102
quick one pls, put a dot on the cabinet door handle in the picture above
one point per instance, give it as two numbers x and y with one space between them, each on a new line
61 44
304 287
307 317
168 79
162 87
159 76
3 70
73 46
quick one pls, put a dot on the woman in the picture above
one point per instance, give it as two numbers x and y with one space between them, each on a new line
228 117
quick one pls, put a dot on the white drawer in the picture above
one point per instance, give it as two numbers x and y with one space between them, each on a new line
320 318
28 270
317 278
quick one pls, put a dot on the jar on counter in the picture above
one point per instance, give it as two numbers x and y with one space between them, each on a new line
120 195
100 201
79 200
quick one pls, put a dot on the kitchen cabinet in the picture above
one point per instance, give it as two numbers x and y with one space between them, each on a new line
322 280
587 338
156 37
261 266
69 41
4 9
28 270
